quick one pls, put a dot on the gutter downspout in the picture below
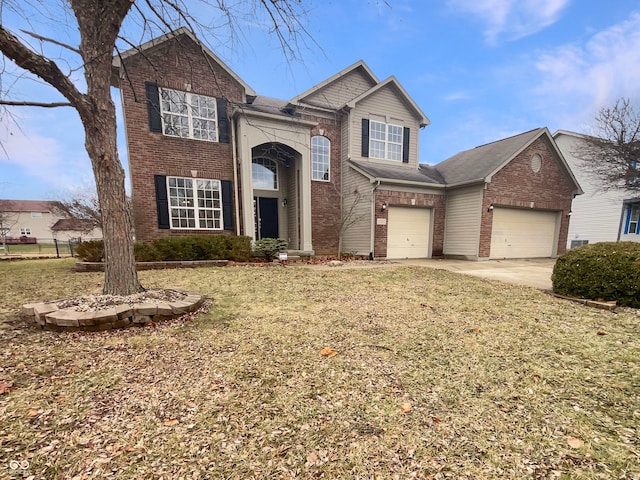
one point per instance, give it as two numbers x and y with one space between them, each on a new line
234 156
373 218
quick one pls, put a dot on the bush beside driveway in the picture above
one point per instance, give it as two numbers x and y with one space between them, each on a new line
434 375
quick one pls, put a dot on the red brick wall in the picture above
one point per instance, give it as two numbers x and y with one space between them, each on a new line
325 196
172 64
517 185
436 202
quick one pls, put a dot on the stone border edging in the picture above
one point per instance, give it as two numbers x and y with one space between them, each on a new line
50 317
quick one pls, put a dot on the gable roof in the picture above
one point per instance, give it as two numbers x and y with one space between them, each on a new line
359 65
117 59
72 224
481 163
425 175
43 206
424 121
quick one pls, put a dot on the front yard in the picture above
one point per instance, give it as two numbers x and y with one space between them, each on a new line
436 375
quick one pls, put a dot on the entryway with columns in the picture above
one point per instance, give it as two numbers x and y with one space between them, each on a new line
273 159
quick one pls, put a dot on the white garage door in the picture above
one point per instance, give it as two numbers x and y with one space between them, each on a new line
408 232
520 233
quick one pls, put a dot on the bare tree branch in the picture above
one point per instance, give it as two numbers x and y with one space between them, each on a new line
51 40
42 67
35 104
612 154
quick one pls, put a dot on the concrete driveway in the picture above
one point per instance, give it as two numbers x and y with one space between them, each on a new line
533 272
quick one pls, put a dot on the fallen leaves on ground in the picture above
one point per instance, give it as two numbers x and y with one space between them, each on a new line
496 379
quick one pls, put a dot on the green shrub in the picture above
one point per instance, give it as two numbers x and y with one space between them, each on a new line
608 271
269 247
91 251
146 252
179 248
240 249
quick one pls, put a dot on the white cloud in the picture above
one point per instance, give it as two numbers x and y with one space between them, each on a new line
44 159
580 79
457 96
512 19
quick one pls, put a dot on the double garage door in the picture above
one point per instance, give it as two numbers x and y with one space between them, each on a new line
518 233
408 232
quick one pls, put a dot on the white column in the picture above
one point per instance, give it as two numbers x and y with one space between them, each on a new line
305 192
244 157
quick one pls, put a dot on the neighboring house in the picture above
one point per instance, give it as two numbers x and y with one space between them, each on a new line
37 221
599 215
336 164
75 229
27 219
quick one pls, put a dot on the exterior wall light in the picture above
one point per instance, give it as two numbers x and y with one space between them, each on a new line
490 208
383 207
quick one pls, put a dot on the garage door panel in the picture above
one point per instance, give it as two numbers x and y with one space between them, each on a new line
518 233
408 232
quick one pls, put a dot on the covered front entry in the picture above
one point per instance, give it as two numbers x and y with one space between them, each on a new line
408 232
266 215
520 233
275 177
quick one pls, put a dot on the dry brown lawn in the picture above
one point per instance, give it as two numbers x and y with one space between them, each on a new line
437 375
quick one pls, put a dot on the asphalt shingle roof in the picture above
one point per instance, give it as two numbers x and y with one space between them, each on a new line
425 174
476 164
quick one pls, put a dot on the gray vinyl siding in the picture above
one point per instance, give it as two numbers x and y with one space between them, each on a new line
357 238
341 91
385 105
595 215
462 221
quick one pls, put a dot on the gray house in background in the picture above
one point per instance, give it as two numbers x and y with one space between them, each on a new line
597 215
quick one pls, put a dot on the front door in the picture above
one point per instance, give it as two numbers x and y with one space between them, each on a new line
266 215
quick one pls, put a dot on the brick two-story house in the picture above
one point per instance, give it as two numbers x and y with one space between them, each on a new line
336 167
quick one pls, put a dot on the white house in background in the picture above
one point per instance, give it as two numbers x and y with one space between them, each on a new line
36 221
29 219
597 215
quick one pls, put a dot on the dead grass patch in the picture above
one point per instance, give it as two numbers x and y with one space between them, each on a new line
436 375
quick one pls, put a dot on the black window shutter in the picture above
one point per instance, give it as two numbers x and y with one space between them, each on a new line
223 121
365 137
405 145
227 204
153 106
162 201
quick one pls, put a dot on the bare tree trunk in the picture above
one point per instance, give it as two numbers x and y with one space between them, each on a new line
120 269
99 24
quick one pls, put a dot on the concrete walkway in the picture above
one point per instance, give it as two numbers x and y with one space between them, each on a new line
533 272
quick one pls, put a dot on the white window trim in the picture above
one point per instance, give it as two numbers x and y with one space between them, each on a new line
194 187
189 115
634 219
386 141
328 172
25 231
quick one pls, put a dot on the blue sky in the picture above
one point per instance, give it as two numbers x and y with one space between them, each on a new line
481 70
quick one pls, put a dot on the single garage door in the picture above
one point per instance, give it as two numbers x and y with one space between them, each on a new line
408 232
520 233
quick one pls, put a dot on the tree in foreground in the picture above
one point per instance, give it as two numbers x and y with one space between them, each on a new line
612 154
101 36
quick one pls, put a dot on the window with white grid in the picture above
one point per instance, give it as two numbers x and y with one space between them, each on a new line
320 158
195 203
385 141
188 115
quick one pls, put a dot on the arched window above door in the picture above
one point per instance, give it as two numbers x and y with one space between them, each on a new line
264 173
